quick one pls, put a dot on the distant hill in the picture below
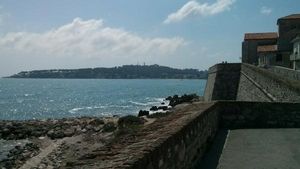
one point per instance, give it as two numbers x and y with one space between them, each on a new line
122 72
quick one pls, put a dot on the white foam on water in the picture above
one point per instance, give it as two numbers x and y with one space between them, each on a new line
75 110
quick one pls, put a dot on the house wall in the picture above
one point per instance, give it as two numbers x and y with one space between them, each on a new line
249 50
288 30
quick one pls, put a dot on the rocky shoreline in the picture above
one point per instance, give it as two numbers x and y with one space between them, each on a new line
54 142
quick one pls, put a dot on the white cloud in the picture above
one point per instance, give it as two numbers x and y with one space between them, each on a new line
200 9
86 39
265 10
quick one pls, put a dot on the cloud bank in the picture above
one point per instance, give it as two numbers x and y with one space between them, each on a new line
200 9
82 43
90 38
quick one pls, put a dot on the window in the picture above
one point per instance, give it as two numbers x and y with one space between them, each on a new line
279 58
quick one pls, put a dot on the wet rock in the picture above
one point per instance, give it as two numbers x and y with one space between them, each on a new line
163 108
143 113
175 100
154 108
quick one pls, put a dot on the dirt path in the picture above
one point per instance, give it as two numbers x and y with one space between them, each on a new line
35 161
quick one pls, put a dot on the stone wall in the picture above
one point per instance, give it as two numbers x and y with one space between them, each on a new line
285 72
248 91
209 88
258 84
184 148
244 82
237 115
222 83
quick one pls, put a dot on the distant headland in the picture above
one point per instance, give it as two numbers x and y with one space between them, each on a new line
121 72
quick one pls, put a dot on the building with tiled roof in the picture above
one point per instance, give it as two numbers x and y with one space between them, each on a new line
271 47
261 36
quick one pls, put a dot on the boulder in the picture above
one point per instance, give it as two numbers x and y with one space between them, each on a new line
153 108
130 120
163 108
109 127
96 122
143 113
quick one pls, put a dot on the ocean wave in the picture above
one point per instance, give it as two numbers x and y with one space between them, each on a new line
151 102
26 94
75 110
142 104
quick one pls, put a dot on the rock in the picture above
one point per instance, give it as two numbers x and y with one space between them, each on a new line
89 127
169 98
175 100
109 127
97 128
50 132
163 108
69 132
55 134
143 113
163 103
154 108
96 122
130 120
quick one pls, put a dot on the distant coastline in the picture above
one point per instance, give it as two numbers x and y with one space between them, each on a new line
121 72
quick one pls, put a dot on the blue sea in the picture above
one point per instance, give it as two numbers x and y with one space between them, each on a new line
58 98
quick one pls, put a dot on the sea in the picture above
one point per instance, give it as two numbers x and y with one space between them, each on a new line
24 99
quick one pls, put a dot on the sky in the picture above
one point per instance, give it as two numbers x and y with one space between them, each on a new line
56 34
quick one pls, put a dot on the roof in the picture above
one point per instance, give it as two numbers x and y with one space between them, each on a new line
261 36
293 16
267 48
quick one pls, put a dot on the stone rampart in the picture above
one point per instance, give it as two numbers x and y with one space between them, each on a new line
180 140
258 84
244 82
222 83
285 72
243 115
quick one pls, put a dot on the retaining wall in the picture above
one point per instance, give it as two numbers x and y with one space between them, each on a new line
285 72
244 82
238 115
258 84
180 140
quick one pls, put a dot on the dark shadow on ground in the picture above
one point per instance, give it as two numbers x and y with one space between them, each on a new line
211 158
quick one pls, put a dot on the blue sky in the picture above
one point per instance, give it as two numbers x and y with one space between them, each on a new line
54 34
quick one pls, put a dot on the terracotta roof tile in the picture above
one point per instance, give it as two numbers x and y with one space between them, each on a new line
261 36
266 48
293 16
